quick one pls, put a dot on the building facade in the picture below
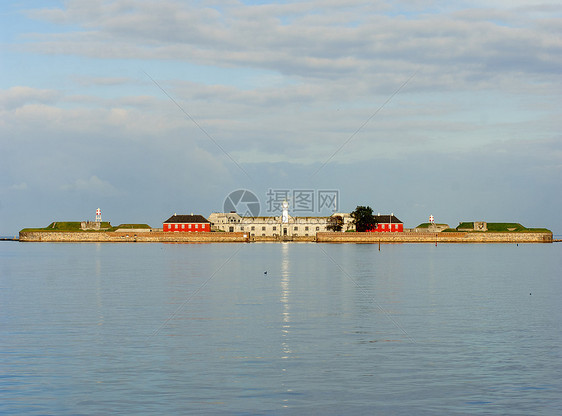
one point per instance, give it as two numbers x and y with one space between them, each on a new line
387 224
186 223
277 226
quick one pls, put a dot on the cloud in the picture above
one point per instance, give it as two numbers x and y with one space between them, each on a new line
311 40
19 186
101 81
93 185
19 96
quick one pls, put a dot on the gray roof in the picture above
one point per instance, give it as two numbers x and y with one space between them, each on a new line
387 219
186 219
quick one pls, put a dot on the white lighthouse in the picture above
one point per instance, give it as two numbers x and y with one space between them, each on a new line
98 215
285 215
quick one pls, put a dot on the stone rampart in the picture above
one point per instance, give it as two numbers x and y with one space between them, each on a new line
131 237
322 237
419 237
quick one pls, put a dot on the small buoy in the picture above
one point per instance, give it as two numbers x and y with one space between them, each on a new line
265 272
530 294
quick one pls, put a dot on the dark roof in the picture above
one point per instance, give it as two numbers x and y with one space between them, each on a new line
186 219
387 219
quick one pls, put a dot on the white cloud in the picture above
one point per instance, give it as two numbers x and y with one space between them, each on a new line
19 186
100 81
313 40
93 185
19 96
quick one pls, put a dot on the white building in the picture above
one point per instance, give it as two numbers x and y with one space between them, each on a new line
274 226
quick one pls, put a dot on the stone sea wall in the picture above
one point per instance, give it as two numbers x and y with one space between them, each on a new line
467 237
323 237
130 237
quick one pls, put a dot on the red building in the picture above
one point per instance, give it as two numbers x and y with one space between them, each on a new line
387 224
186 223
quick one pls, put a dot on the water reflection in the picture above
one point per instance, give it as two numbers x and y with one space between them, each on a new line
286 313
99 297
285 292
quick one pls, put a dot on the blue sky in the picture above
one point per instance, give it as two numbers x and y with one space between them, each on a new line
263 94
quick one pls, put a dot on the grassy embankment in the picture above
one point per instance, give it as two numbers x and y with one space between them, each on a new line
502 227
426 225
493 227
74 226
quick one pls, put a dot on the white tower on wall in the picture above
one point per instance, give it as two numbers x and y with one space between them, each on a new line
285 215
98 215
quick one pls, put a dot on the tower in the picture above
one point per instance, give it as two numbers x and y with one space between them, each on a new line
285 215
98 215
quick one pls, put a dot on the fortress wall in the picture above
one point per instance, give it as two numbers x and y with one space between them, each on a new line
466 237
124 237
322 237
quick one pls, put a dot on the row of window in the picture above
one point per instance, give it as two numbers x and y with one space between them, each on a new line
253 228
388 226
276 235
189 226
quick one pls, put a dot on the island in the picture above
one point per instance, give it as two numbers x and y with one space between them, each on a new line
465 232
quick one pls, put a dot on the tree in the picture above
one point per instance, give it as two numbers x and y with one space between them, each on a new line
363 218
335 223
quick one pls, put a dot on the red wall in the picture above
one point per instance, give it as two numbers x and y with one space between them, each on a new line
185 227
387 228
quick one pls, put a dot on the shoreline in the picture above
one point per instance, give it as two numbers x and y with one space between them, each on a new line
323 237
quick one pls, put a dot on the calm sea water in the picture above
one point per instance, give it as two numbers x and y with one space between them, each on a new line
95 329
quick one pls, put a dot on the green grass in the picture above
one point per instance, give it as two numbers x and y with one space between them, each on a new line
426 225
538 230
133 226
74 226
65 226
504 227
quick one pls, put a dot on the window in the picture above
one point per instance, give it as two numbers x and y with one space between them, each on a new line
182 226
189 226
263 229
242 228
306 229
317 228
274 228
296 229
176 226
253 228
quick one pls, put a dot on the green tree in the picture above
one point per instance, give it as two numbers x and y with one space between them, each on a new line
363 218
335 223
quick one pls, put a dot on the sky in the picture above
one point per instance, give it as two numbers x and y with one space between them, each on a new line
146 108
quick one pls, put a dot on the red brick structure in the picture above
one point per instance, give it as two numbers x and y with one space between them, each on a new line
186 224
387 224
